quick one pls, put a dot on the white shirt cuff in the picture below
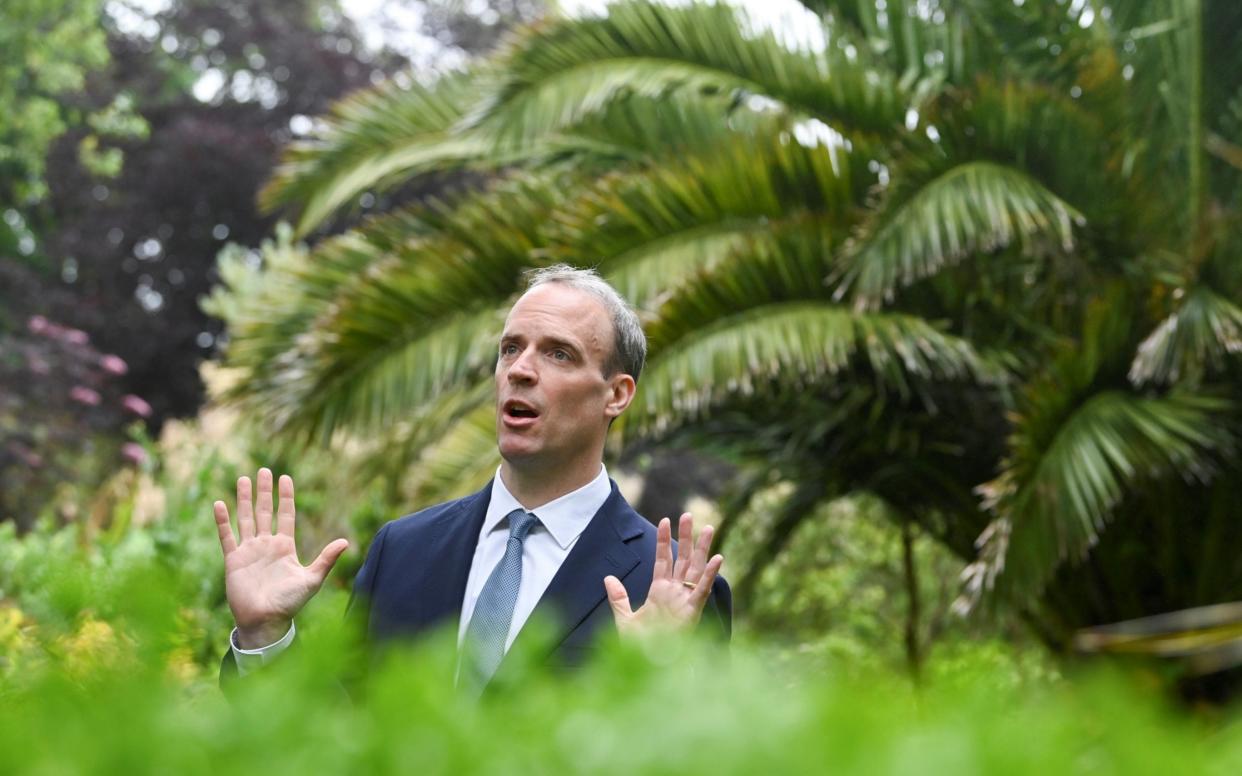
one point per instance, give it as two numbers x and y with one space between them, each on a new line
250 659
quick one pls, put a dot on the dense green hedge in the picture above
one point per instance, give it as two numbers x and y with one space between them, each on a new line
111 629
113 692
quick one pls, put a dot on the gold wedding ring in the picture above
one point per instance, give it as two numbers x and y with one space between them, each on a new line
689 584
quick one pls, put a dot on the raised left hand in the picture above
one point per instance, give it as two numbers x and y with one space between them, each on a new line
679 590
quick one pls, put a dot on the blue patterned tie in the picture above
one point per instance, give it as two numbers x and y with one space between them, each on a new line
484 644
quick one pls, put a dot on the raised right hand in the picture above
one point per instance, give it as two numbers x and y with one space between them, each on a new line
265 583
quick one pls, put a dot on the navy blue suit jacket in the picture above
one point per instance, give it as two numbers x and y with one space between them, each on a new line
414 577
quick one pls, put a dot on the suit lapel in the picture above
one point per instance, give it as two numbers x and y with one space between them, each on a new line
450 552
578 586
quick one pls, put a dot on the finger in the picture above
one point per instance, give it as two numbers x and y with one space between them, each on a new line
704 587
227 542
701 548
685 538
245 509
285 513
618 599
664 550
327 559
263 504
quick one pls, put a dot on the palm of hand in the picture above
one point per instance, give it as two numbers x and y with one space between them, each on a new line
265 584
679 590
264 580
670 605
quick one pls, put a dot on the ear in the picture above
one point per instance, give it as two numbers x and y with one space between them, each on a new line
621 389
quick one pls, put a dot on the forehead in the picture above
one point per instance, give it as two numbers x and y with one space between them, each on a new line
558 310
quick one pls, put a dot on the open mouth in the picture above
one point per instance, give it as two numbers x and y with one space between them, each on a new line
518 409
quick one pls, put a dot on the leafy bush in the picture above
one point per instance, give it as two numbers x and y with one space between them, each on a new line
111 630
103 700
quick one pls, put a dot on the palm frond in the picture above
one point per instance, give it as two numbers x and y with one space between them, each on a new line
998 172
637 127
976 207
373 138
799 342
414 317
396 374
1054 506
460 461
1080 441
392 453
650 230
1200 335
557 74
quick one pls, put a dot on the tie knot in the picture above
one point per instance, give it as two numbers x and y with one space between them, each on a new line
520 523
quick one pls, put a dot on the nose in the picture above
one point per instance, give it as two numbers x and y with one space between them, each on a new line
522 368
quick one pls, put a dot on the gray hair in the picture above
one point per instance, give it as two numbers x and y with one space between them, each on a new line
629 346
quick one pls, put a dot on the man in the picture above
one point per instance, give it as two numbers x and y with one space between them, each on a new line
551 534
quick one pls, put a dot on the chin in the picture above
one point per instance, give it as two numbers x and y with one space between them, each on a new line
516 451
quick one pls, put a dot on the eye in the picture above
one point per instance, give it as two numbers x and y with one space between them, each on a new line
508 349
560 355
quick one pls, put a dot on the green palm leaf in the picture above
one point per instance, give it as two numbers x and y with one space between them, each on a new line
373 138
1201 334
1081 442
460 461
974 207
556 75
649 231
395 452
799 342
1054 505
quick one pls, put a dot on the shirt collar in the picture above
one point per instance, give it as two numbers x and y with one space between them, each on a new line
565 517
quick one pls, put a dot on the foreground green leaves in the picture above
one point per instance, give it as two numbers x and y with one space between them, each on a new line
661 708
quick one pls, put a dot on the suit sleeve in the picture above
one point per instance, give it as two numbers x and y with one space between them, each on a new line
717 617
364 582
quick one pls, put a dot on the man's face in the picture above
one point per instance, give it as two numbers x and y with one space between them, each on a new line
553 402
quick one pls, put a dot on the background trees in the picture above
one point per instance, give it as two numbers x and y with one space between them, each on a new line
974 260
135 143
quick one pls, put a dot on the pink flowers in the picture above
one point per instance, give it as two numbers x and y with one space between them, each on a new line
136 405
113 364
133 452
37 324
84 395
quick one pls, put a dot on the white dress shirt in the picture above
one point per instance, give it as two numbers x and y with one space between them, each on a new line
561 522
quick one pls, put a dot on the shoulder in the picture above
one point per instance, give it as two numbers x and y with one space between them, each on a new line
436 517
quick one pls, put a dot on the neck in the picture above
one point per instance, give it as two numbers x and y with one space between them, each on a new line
534 487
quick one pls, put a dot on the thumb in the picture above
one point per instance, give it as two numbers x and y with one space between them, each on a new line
327 558
618 599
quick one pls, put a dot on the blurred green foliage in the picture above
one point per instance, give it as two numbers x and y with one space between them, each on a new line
102 697
111 630
836 597
150 528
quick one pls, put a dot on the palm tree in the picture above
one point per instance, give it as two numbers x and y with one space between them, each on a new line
972 258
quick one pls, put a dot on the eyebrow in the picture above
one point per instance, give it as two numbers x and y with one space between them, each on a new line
566 344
